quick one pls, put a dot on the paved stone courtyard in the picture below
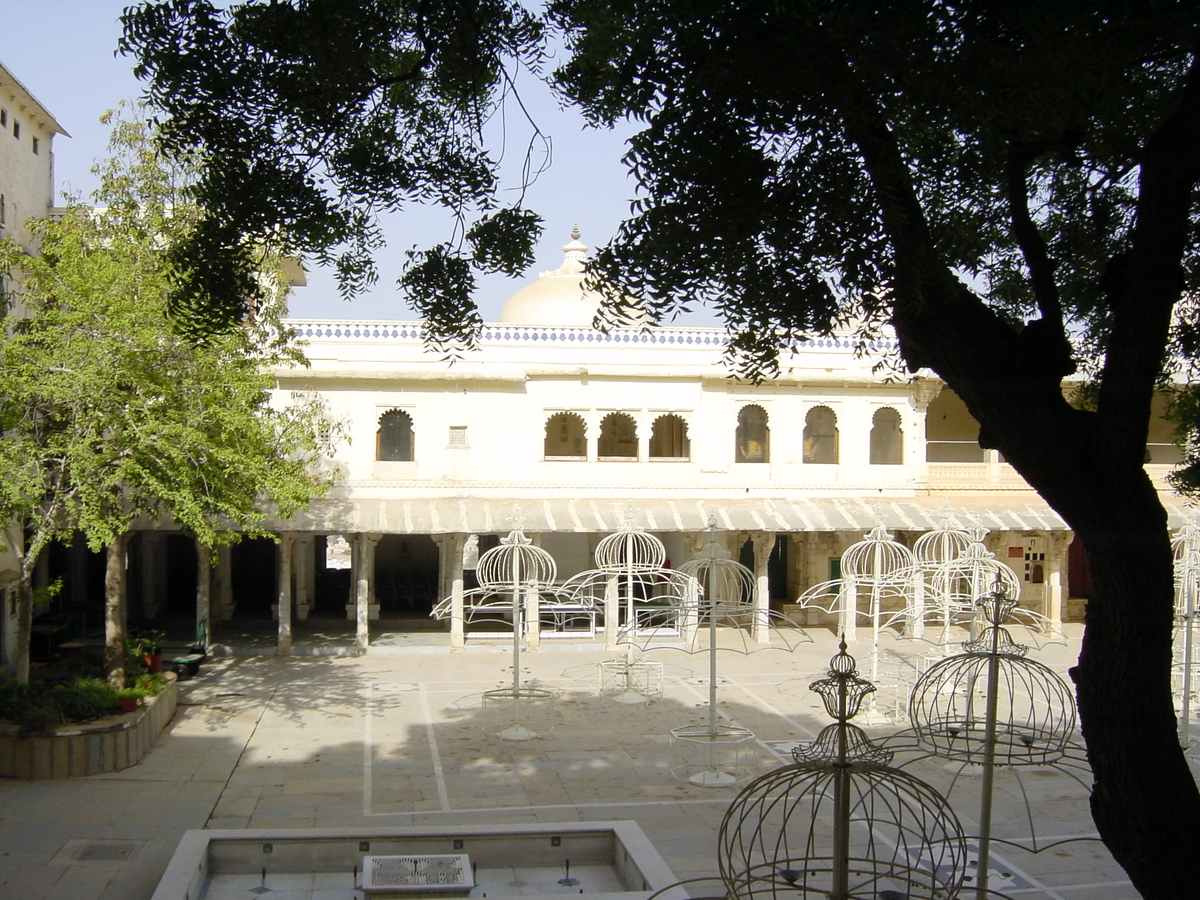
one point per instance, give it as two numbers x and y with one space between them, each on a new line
403 739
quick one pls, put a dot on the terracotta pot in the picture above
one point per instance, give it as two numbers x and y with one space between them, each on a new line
128 704
154 663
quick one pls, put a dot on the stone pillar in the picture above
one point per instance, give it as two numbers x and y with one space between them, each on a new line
304 575
1059 542
283 567
223 583
451 548
458 632
152 571
203 584
612 612
924 392
363 567
764 543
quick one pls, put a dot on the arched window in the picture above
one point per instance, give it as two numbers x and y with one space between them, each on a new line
618 436
669 438
753 436
566 436
394 439
820 436
887 441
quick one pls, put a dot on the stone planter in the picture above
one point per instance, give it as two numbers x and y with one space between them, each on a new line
105 745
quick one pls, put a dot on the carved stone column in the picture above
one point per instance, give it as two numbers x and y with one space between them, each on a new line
287 542
450 582
363 567
223 584
764 543
304 575
1056 583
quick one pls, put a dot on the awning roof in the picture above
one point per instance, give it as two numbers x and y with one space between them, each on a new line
994 510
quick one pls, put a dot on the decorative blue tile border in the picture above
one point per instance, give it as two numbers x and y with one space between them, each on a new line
685 338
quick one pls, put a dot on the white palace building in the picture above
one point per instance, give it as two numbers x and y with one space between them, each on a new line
584 431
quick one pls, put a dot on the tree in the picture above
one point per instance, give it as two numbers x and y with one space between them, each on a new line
109 416
357 109
1010 187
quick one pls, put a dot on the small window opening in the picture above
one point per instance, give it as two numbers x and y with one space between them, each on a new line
16 128
753 439
669 438
394 439
886 438
458 435
566 436
820 436
618 437
36 146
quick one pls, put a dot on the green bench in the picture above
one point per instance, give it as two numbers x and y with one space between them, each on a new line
185 659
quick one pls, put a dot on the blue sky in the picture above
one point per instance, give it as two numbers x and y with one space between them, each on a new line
63 52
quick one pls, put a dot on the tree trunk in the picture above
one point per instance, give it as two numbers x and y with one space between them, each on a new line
1144 799
24 624
114 612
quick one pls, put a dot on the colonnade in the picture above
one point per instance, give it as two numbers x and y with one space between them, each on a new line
811 553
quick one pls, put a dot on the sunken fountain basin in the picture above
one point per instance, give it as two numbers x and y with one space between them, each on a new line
607 860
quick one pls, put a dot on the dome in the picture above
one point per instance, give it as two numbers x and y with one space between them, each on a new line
558 296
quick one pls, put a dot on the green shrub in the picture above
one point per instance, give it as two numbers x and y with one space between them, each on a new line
14 698
131 693
82 699
152 684
66 669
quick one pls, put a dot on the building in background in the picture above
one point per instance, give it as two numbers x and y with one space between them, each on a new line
27 131
581 429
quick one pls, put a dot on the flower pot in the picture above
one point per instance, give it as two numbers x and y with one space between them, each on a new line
128 704
154 663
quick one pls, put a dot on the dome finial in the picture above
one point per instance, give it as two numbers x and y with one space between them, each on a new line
575 232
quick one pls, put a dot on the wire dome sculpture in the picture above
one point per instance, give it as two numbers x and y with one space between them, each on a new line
1034 708
1186 550
931 551
730 605
642 599
630 550
512 577
880 567
515 563
991 706
970 575
942 544
840 823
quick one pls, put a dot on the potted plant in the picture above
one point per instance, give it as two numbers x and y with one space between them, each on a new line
149 646
131 698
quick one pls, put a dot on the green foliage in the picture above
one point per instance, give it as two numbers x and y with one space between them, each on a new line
56 697
151 683
1020 127
108 412
356 109
81 700
14 698
146 641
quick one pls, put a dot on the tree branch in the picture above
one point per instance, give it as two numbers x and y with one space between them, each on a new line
1031 242
1150 280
